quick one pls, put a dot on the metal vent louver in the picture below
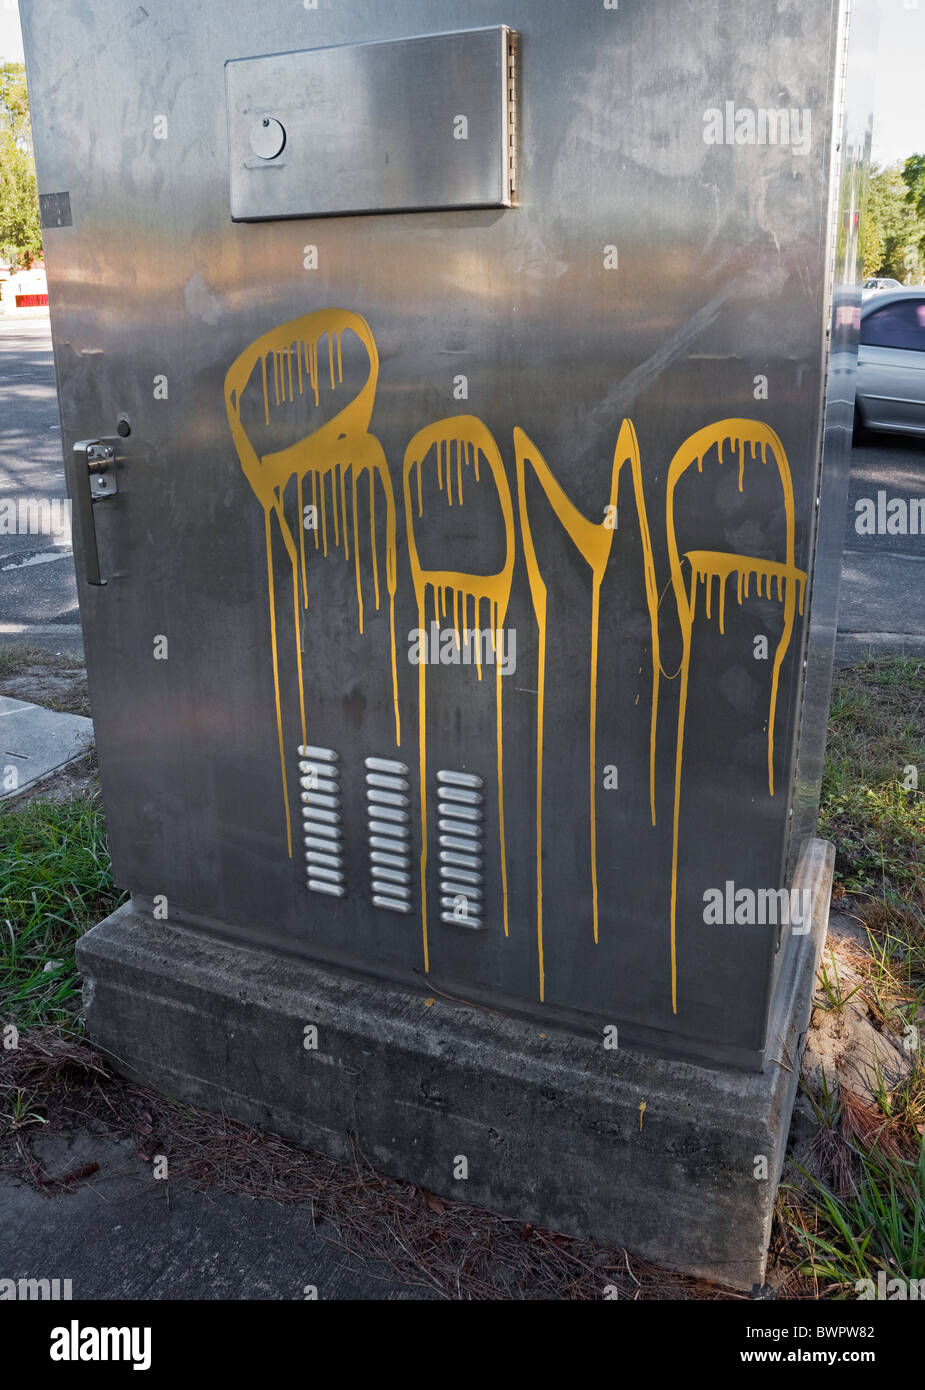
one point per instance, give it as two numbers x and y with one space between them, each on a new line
319 777
388 812
459 808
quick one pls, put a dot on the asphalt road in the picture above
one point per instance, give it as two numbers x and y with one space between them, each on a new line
883 577
38 590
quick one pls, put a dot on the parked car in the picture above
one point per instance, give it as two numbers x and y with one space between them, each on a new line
877 286
890 392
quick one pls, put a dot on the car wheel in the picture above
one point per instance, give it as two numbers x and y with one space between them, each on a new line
859 434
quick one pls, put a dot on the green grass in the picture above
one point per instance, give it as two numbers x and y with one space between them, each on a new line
830 986
55 882
880 1226
870 810
866 1211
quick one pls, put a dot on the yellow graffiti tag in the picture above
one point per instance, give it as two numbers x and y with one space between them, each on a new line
705 566
594 542
305 357
288 361
458 588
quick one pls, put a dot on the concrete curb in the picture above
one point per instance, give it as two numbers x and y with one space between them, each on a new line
54 637
854 647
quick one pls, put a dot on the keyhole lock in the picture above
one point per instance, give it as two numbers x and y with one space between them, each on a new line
268 138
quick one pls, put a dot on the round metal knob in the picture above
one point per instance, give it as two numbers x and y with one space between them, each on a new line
267 138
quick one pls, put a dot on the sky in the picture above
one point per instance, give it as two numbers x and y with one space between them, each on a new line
899 111
10 35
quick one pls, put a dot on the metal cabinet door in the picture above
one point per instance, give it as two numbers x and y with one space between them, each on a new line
586 420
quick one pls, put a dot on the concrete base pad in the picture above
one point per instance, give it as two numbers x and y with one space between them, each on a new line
676 1162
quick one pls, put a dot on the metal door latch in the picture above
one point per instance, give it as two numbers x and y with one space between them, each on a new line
95 480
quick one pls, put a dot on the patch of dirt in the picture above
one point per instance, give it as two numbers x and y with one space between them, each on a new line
848 1040
858 1048
80 778
44 684
51 1085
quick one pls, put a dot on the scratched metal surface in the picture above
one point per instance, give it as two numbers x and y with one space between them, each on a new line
721 254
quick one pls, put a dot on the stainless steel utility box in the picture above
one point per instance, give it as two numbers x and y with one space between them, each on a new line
456 571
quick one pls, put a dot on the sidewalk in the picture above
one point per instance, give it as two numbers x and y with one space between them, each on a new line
118 1234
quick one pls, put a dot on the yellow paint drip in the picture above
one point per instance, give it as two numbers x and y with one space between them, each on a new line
326 454
494 589
594 541
287 360
705 566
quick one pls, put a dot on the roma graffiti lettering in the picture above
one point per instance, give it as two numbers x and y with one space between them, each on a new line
287 363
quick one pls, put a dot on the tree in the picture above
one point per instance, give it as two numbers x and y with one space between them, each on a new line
14 103
893 235
914 179
20 228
